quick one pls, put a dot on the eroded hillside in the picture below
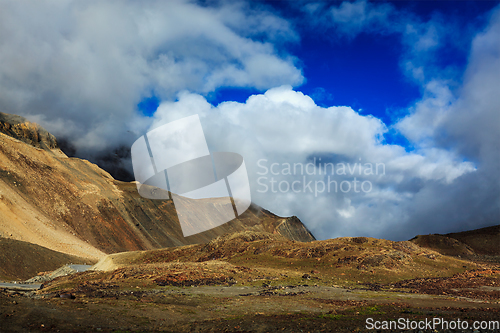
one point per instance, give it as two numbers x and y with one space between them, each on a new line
22 260
72 206
339 261
479 244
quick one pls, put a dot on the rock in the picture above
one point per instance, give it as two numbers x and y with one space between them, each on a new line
21 129
67 296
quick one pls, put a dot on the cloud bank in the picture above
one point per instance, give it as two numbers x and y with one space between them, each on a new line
310 138
81 68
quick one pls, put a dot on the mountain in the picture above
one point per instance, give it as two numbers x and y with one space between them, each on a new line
22 260
484 241
33 134
374 258
72 206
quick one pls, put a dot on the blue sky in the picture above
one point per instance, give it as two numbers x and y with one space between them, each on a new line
410 85
365 71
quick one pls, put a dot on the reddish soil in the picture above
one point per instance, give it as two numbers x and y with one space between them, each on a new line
478 284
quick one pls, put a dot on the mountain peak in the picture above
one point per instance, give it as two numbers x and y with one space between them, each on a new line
23 130
72 206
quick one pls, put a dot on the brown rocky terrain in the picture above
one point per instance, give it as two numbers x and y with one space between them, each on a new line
478 245
484 241
72 206
260 282
366 259
444 245
22 260
33 134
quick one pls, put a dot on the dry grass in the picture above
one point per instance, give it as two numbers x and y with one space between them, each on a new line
251 257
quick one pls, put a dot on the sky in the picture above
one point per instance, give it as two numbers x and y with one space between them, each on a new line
391 109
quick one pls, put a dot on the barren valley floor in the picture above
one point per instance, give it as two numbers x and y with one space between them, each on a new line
256 282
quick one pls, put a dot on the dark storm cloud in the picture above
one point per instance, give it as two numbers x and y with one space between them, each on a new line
81 68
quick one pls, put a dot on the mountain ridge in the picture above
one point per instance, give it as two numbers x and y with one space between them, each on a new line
470 243
72 206
28 132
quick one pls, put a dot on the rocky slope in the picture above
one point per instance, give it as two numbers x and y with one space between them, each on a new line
72 206
472 243
22 260
485 241
369 258
17 127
